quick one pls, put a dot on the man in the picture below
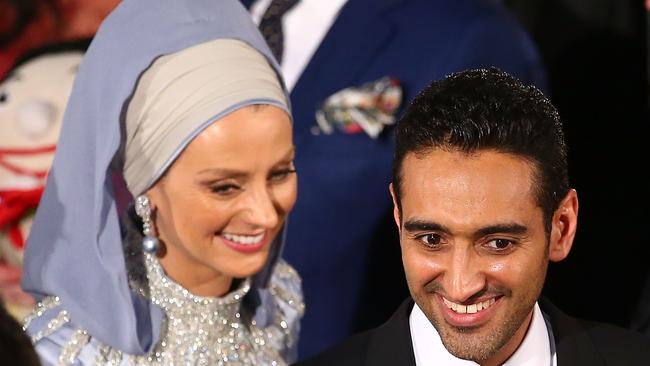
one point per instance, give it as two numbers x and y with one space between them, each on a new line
482 204
340 236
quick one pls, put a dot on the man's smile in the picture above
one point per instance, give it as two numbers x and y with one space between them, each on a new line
469 309
468 315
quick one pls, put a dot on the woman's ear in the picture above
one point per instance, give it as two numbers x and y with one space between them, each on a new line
156 193
563 227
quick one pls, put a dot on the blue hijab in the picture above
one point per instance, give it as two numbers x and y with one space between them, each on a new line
74 250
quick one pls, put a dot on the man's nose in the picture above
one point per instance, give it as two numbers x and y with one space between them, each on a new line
464 277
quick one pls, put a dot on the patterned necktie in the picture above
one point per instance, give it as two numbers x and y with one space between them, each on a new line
271 25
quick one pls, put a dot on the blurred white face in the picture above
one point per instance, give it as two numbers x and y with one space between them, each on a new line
225 199
32 102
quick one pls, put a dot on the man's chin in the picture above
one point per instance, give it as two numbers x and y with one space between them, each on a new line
471 343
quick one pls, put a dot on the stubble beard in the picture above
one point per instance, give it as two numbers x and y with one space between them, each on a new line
467 343
472 343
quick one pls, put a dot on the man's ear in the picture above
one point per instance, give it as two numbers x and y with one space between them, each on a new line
396 215
563 227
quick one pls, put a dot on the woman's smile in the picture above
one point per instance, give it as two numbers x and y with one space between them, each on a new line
245 243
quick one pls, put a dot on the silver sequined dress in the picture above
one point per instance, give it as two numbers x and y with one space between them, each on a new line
196 331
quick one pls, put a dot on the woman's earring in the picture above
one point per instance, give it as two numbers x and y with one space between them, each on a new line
143 208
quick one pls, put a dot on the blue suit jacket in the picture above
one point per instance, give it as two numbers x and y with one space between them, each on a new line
344 207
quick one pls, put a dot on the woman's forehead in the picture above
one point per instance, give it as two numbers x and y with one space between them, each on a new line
248 137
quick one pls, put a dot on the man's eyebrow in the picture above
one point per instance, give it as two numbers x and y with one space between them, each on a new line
423 225
507 228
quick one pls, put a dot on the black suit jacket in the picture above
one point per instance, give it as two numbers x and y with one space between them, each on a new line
577 343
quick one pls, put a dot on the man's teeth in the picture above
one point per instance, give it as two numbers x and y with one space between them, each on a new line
469 309
244 239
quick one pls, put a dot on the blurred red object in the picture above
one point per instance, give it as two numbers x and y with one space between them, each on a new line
27 24
10 289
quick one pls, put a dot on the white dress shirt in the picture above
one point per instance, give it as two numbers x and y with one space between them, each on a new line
304 27
537 348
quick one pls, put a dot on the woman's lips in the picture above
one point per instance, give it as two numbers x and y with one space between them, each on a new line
244 243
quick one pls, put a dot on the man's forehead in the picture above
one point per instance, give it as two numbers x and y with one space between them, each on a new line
453 161
460 182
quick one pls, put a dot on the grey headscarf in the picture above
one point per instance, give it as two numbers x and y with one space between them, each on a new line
74 250
178 96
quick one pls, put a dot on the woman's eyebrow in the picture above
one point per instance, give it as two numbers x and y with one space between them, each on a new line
230 173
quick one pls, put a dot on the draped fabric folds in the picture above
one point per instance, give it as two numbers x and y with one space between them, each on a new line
74 250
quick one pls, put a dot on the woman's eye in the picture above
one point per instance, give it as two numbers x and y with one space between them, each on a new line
225 189
4 97
500 244
281 175
430 240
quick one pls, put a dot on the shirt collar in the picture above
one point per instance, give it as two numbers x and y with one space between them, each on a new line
535 349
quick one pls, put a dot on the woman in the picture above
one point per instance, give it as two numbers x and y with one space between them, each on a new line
183 99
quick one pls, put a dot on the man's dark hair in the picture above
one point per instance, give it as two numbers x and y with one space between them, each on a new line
481 110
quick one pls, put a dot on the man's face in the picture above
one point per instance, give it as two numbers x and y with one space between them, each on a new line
474 247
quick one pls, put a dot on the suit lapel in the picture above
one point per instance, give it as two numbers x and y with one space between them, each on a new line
353 41
572 345
391 343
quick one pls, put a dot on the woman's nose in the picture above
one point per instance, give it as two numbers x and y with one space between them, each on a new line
261 210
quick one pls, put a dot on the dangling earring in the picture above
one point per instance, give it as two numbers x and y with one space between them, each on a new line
143 208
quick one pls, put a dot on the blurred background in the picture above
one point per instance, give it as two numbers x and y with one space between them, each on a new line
41 45
596 58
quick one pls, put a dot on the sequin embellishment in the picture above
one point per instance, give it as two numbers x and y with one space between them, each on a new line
197 330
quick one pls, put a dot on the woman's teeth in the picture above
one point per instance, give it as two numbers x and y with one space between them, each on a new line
469 309
244 239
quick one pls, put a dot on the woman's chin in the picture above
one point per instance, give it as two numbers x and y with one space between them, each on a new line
244 268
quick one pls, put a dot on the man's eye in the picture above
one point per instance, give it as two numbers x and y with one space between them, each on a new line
500 244
431 240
